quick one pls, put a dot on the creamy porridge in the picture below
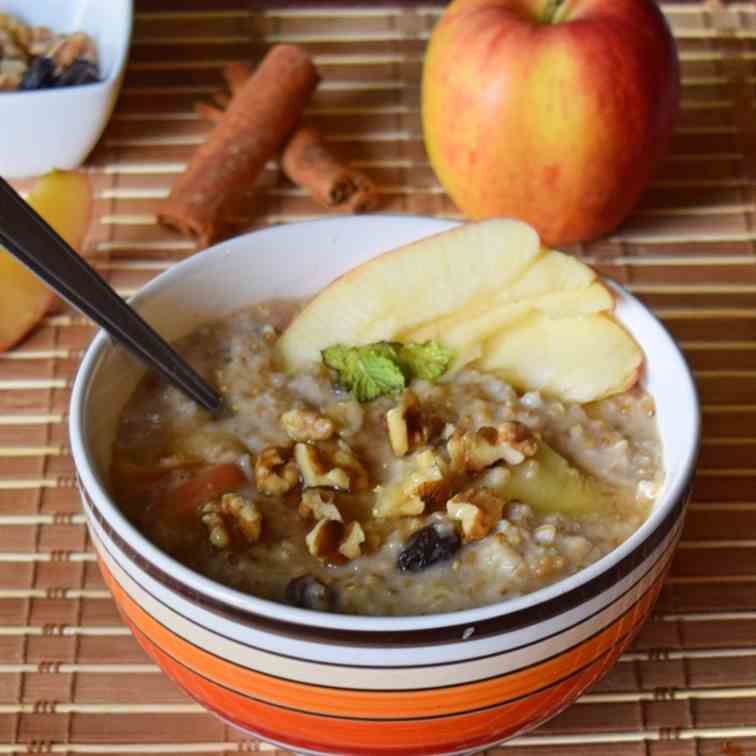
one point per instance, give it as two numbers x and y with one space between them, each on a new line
450 495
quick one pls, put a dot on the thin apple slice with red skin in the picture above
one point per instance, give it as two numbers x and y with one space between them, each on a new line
63 199
465 334
494 297
579 359
553 271
404 288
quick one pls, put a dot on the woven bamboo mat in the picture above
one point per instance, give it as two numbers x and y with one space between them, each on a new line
72 679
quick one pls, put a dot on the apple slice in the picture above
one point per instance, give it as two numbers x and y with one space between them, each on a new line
553 271
550 484
63 199
576 358
466 333
411 285
489 293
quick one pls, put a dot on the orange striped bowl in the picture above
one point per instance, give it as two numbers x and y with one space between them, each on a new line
335 684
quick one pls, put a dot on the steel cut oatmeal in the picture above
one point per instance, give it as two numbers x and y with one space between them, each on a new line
448 496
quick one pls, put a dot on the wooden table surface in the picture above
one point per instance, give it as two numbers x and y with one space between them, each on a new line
72 679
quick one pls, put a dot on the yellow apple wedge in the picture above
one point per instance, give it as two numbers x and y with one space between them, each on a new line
414 284
552 271
63 199
465 333
557 487
581 358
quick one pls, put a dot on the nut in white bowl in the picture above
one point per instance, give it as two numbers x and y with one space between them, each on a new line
57 128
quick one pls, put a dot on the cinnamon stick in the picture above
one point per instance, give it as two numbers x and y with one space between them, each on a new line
306 159
261 115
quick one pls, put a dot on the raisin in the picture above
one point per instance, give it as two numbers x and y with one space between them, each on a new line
308 592
79 72
39 75
427 547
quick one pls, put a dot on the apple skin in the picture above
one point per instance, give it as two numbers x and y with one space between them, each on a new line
64 200
558 124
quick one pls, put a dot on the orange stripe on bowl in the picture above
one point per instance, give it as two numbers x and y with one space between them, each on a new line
370 738
384 704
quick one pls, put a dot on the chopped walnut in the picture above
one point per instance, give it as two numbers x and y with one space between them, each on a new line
275 473
243 512
65 49
211 518
478 511
409 427
8 82
15 29
319 504
427 483
351 543
10 47
332 467
246 513
39 39
473 451
323 540
316 471
345 458
306 425
12 62
330 540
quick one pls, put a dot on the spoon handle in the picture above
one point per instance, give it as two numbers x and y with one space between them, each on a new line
31 240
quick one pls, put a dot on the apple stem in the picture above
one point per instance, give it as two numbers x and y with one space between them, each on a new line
551 11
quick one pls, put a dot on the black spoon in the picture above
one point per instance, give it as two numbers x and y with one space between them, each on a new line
31 240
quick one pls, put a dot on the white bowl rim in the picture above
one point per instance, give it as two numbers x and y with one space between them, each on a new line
348 623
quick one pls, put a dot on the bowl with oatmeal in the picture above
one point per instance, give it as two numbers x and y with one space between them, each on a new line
398 537
61 67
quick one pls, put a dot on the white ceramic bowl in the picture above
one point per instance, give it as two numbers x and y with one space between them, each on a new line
57 128
329 683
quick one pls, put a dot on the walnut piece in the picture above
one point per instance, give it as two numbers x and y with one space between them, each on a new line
65 49
473 451
316 471
344 457
306 425
351 543
319 504
211 518
10 48
16 30
243 511
478 511
323 540
275 472
39 39
332 467
426 483
12 62
330 540
246 513
409 427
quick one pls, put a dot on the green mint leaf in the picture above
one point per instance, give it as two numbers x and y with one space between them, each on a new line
428 360
337 357
368 371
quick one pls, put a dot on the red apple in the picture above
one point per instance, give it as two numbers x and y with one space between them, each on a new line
553 112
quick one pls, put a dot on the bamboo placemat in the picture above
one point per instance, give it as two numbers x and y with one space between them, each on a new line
72 679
